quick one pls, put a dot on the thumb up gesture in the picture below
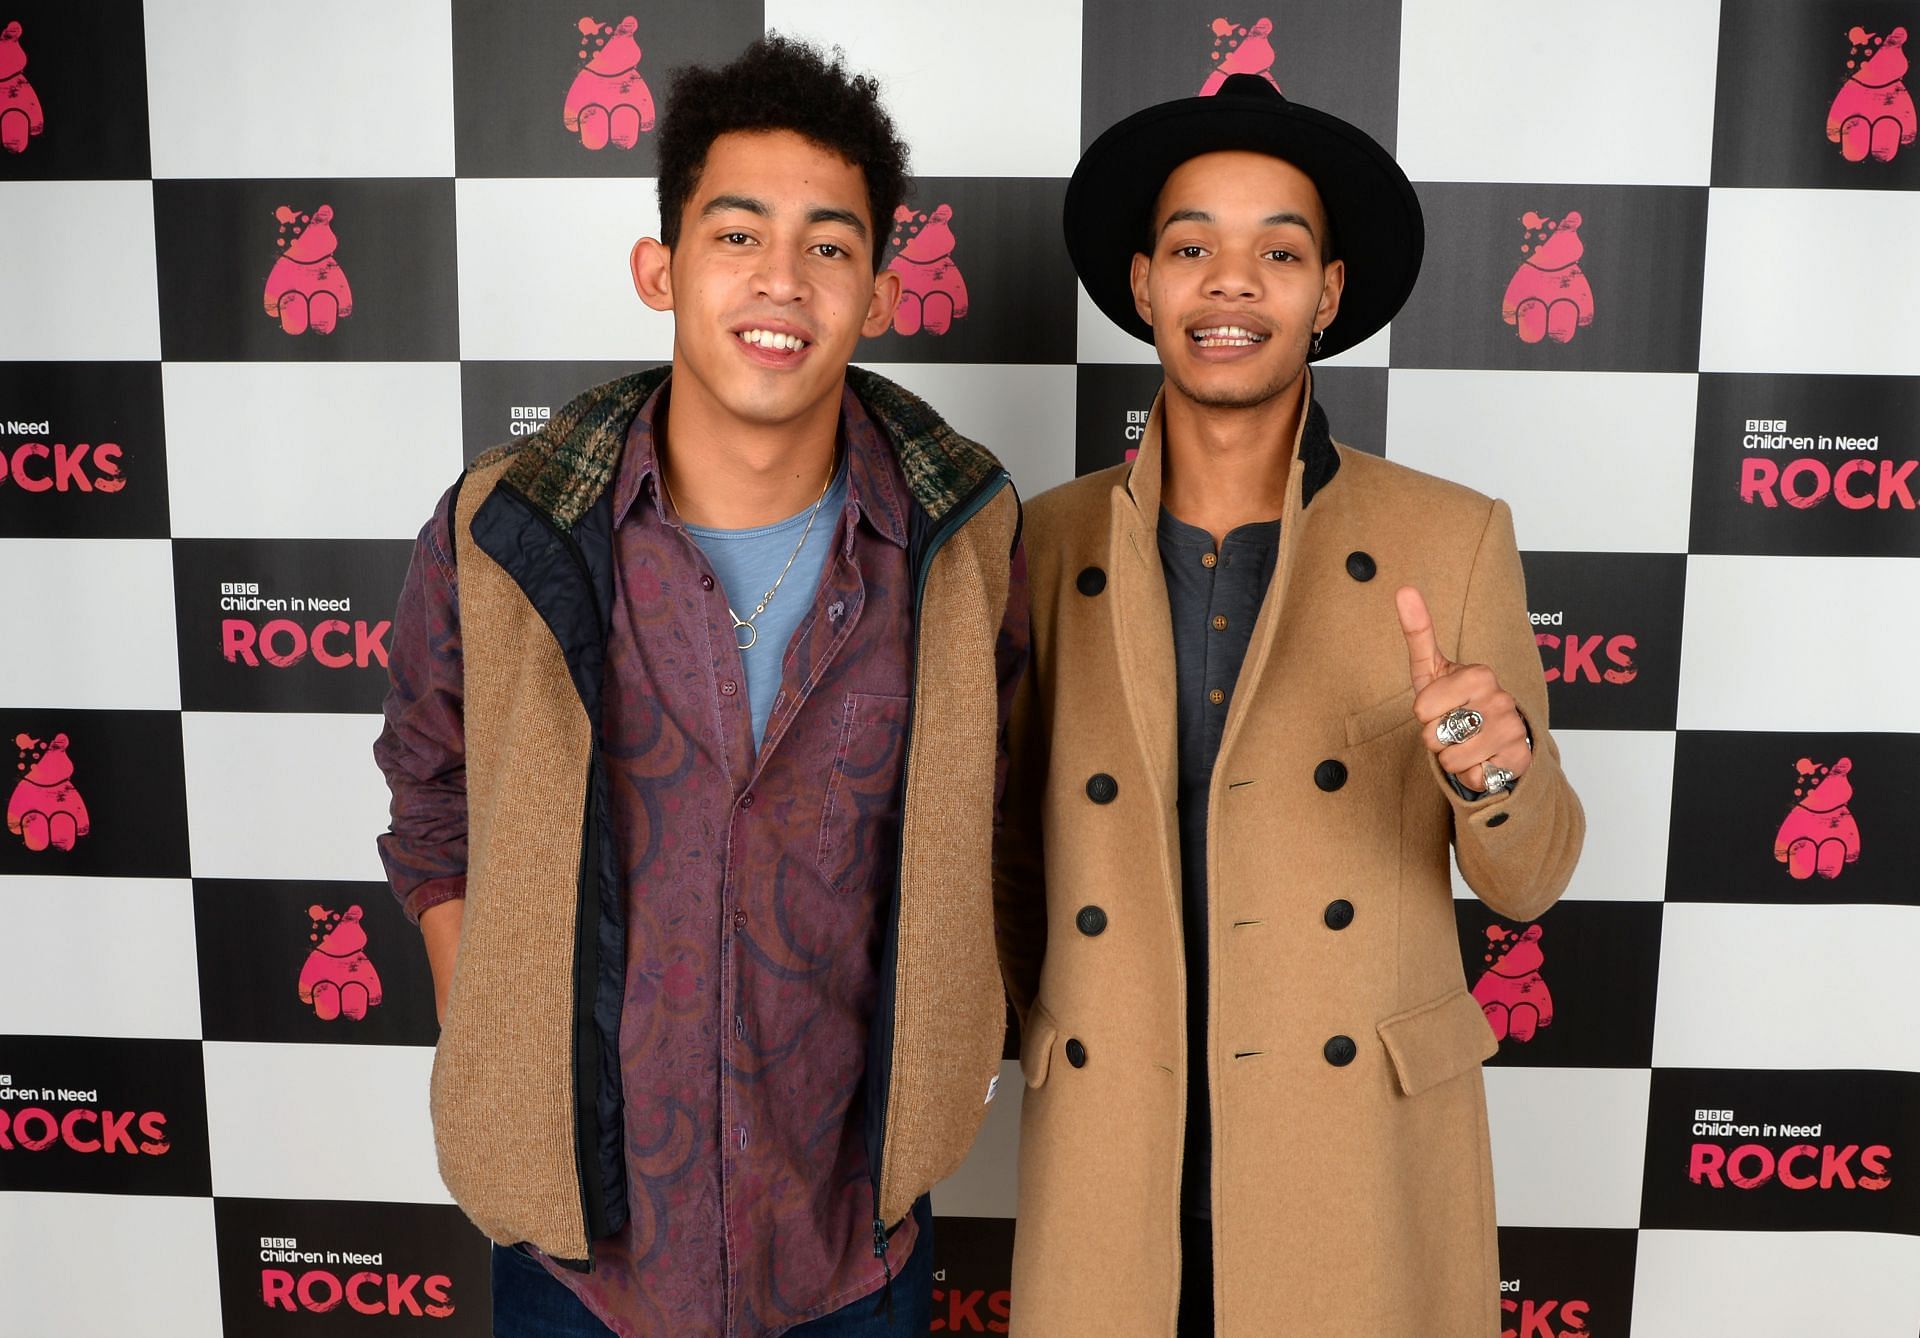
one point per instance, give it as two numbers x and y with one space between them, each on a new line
1466 718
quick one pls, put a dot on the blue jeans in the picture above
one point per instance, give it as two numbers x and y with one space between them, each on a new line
529 1302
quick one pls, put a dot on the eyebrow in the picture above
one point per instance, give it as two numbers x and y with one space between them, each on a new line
1285 216
819 213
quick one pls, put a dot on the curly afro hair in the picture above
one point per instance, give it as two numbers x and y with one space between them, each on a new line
780 83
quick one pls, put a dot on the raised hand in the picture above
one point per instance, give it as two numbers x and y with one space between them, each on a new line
1466 718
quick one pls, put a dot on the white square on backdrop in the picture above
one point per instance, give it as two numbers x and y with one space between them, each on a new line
1569 1145
1800 643
990 88
101 618
156 1273
110 957
1023 414
77 272
544 269
1590 462
277 795
284 450
368 1102
1608 94
1776 1284
1624 779
1811 281
1788 987
353 88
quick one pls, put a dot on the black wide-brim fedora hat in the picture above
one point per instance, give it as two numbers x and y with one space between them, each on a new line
1378 229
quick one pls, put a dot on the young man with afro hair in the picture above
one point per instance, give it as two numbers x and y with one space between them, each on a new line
694 743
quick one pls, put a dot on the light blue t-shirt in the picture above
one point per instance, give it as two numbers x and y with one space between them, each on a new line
746 562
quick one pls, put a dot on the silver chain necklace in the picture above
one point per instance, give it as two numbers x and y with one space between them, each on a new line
753 633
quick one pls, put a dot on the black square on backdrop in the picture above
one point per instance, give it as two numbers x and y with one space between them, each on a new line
261 625
1795 819
83 83
984 274
1564 1282
1608 629
972 1275
1573 989
266 964
1789 70
1802 465
225 248
83 451
1782 1150
1628 261
94 1115
320 1266
502 402
1342 56
524 71
120 777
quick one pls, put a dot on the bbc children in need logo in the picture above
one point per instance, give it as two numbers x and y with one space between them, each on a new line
1784 464
282 641
361 1280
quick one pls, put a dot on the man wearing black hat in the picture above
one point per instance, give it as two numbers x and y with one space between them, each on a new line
1273 680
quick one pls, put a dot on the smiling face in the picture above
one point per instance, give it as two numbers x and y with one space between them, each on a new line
772 280
1235 285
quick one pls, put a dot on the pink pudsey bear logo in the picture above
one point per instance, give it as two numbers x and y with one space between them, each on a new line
609 103
1510 991
45 810
338 979
1246 51
932 294
306 288
1819 834
20 114
1548 296
1872 114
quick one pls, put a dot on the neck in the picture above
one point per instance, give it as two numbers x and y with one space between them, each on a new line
1221 468
729 473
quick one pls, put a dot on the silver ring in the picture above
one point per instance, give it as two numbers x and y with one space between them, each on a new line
1498 778
1459 725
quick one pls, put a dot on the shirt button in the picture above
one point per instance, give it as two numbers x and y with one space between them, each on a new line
1219 622
1216 696
706 582
728 688
739 919
1208 559
746 800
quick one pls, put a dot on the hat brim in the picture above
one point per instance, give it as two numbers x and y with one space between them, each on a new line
1378 229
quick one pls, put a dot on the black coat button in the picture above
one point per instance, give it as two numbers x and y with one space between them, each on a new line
1330 775
1340 1051
1101 788
1497 819
1091 581
1339 914
1360 566
1091 920
1077 1053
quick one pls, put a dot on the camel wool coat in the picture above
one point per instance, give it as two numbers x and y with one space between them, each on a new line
1352 1186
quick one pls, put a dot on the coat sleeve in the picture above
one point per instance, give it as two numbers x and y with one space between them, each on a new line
1517 848
1019 873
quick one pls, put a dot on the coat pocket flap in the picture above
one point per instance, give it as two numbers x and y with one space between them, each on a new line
1437 1041
1372 721
1036 1045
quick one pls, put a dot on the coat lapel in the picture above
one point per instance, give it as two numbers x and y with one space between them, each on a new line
1142 618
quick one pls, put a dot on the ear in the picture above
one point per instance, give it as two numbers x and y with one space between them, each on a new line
652 266
324 214
11 33
1532 935
354 913
588 26
1137 277
880 309
628 26
59 741
1572 220
1333 283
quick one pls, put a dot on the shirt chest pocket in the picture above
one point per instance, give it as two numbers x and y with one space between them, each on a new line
860 813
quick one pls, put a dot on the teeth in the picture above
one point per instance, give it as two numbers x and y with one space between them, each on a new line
1227 336
772 339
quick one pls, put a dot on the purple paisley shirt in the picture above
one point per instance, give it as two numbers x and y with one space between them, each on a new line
756 887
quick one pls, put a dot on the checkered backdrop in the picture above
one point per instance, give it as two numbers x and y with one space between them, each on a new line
1707 1104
